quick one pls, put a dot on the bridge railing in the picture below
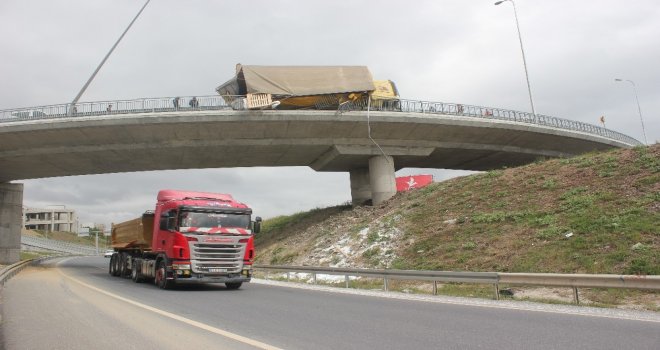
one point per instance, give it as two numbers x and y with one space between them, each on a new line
85 109
217 102
458 109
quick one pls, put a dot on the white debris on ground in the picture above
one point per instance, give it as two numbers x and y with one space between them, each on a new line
375 244
343 241
305 277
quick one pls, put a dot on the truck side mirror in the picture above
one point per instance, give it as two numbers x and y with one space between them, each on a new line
256 225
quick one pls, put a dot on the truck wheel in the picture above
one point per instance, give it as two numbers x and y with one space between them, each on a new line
111 268
135 274
233 285
123 266
161 277
115 264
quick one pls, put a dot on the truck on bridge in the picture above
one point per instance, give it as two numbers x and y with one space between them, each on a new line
306 87
190 237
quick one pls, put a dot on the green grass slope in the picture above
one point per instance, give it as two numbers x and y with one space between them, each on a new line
596 213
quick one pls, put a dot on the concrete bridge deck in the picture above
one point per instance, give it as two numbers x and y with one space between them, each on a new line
322 140
47 144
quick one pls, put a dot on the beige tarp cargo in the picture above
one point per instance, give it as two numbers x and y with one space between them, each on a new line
298 80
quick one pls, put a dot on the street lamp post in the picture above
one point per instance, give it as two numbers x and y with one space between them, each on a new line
529 88
72 105
639 109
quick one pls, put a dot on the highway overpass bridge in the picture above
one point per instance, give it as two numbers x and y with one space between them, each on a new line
151 134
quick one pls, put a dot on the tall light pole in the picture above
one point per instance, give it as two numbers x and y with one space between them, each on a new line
529 88
639 109
75 100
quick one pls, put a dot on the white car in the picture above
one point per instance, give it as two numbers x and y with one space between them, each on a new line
108 253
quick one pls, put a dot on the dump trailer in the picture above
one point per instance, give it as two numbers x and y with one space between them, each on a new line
190 237
306 87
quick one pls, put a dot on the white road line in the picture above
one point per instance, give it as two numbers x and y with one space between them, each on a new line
187 321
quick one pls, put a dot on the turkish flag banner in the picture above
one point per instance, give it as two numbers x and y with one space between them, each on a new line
405 183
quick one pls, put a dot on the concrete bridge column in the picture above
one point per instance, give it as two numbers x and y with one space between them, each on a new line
382 179
360 186
11 221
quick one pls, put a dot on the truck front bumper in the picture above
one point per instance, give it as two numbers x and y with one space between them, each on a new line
199 278
183 275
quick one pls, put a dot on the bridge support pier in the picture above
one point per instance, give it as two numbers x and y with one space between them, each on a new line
11 221
381 178
360 187
376 183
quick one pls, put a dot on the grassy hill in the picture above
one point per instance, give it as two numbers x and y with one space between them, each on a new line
596 213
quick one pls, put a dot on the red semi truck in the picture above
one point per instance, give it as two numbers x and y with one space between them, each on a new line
191 237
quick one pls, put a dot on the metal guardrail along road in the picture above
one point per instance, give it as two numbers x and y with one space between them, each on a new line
10 271
7 272
573 281
216 102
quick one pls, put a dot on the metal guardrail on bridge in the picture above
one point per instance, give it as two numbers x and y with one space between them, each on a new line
573 281
216 102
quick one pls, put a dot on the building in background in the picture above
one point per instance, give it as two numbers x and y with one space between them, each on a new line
50 219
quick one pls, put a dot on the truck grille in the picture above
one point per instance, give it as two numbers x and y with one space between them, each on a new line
220 258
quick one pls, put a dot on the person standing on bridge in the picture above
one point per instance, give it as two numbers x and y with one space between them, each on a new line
109 109
193 102
175 102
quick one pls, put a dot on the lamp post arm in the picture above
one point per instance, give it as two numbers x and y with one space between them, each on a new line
75 100
522 50
639 110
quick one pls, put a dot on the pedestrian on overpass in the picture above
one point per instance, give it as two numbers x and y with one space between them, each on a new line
193 102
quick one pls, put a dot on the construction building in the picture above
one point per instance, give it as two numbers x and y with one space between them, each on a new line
50 219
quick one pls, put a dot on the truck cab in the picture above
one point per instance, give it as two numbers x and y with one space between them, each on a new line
204 238
196 237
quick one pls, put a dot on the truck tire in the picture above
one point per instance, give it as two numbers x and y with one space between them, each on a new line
115 264
111 268
161 277
123 266
233 285
136 276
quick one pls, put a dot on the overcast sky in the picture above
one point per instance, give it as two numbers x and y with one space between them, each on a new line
437 50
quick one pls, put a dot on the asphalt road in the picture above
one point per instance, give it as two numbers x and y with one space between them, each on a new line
76 304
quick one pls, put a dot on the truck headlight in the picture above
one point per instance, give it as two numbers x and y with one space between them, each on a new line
181 266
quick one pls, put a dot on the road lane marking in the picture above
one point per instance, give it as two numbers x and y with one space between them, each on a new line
176 317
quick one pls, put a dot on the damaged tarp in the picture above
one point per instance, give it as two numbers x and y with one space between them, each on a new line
297 80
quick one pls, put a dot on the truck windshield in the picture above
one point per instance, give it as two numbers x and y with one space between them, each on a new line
192 221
